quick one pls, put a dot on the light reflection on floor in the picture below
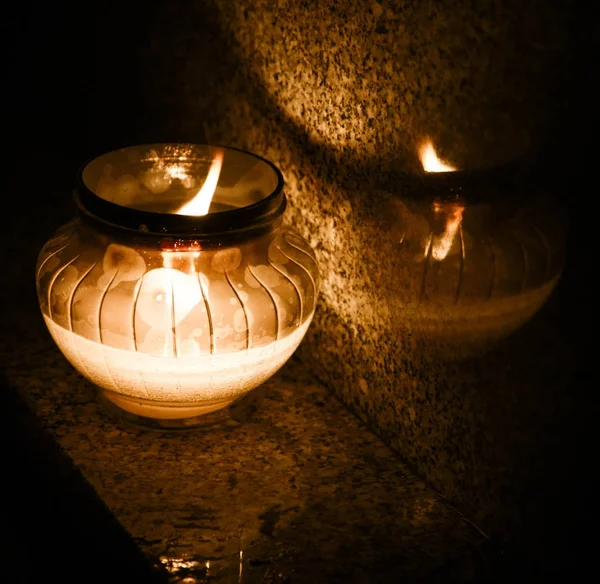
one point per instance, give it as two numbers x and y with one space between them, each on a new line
188 571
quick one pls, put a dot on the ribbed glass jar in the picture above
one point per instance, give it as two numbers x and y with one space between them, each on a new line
175 316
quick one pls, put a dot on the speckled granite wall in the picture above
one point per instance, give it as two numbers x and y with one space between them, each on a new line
339 94
368 79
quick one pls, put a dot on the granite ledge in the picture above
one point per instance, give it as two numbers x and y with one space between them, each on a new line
291 480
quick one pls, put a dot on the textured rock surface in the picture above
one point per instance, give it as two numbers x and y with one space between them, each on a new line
368 79
297 485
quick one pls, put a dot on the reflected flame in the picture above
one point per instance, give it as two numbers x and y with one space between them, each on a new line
431 161
439 245
174 565
200 204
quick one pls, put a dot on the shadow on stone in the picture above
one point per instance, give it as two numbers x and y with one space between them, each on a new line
54 525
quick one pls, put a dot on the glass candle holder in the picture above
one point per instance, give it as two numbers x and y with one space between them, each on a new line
176 290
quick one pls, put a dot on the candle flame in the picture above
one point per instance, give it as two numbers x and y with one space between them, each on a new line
431 161
200 204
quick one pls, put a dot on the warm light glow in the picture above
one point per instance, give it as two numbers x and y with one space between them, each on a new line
178 326
441 244
176 171
200 383
172 342
430 160
166 297
174 565
178 288
200 204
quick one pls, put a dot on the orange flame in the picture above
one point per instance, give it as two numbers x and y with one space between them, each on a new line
200 204
431 161
441 244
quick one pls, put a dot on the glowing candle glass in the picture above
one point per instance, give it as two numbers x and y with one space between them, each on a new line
176 290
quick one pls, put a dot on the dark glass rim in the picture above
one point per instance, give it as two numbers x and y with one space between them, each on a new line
506 185
242 222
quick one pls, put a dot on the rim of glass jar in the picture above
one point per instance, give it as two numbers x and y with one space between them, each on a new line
507 185
233 224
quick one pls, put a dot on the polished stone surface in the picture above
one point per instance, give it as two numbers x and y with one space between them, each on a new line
292 484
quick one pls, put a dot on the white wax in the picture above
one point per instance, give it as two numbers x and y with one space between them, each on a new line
204 381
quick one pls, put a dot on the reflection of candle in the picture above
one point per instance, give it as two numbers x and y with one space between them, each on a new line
430 160
438 246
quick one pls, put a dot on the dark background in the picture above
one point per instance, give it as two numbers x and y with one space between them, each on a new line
79 81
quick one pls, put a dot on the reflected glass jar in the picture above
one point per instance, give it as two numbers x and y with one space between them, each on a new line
176 290
472 258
